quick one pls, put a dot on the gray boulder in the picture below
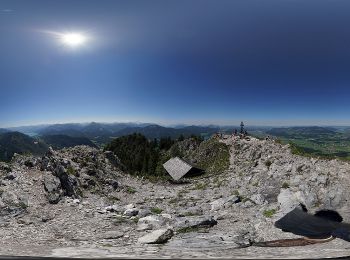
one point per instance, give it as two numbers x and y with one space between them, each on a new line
151 222
114 160
224 202
195 221
192 211
12 204
159 236
69 182
52 186
144 212
287 201
11 176
131 212
112 235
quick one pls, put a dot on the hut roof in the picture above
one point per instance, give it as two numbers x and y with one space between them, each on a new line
177 167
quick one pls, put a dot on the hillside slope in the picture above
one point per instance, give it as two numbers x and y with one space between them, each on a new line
65 141
15 142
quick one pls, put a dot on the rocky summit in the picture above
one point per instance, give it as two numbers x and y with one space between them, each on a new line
77 202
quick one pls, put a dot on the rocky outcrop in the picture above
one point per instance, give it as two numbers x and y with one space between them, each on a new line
224 202
52 185
97 206
12 204
279 178
77 169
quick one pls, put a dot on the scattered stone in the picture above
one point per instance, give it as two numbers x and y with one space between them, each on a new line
151 222
144 213
258 199
131 212
159 236
165 215
47 217
102 211
224 202
11 176
143 227
195 221
29 163
129 206
52 185
114 208
112 235
192 211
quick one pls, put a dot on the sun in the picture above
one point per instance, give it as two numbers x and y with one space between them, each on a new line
73 39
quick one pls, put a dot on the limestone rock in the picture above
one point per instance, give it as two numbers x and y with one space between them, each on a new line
224 202
11 176
151 222
195 221
159 236
144 212
131 212
113 235
52 186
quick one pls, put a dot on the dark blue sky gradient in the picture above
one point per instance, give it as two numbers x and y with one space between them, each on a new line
181 61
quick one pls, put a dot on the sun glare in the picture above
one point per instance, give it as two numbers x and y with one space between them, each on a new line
73 39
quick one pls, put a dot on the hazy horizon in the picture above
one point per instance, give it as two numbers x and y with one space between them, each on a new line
272 62
174 124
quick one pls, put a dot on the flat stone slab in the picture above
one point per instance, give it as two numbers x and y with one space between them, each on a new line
195 249
159 236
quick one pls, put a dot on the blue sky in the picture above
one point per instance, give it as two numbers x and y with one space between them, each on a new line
176 61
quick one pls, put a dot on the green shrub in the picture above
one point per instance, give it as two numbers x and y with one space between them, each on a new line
285 185
135 219
200 186
71 171
268 163
187 230
269 213
130 190
113 199
156 210
23 205
278 141
235 192
295 149
212 156
120 219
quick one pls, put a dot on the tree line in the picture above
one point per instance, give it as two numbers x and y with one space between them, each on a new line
140 156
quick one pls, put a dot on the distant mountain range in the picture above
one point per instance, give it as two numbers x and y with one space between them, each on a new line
35 139
105 131
102 133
